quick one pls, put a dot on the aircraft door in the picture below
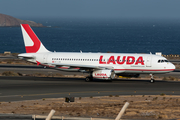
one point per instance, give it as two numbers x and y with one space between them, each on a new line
148 62
45 58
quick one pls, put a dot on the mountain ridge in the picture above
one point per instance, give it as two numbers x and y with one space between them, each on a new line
9 21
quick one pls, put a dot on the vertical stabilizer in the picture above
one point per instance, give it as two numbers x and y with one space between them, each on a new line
31 41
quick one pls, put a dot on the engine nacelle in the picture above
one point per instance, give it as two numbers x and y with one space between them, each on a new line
103 74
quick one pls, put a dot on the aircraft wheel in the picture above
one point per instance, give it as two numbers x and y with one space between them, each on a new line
152 81
88 79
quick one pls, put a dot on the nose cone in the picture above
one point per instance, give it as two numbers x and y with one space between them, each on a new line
172 67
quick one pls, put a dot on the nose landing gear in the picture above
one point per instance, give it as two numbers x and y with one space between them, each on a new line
152 78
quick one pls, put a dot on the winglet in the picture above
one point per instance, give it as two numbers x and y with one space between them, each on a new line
31 41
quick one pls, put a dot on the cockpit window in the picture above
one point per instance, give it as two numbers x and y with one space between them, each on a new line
162 61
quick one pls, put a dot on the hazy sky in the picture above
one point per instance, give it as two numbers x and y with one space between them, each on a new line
155 9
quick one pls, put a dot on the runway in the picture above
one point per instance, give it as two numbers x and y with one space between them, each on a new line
33 69
30 88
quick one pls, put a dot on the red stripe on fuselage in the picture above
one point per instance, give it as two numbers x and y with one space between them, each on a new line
34 38
144 70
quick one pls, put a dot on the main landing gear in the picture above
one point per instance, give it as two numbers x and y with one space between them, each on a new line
152 78
89 78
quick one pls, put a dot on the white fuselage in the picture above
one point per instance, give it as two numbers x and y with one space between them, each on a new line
119 62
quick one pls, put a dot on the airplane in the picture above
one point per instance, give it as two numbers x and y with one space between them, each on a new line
102 66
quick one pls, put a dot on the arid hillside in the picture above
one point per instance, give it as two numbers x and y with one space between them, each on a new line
9 21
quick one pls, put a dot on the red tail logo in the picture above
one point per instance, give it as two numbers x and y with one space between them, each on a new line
33 37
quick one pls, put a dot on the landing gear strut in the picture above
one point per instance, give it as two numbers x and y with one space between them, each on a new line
152 78
89 78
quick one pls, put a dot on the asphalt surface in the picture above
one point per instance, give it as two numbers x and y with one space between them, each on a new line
29 88
33 69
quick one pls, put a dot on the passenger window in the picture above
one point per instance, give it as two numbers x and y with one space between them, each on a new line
159 61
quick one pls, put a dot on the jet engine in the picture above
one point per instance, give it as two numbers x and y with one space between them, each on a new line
103 74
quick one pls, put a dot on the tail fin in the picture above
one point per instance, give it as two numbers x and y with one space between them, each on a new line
31 41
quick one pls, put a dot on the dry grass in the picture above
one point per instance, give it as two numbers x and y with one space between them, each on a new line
146 107
9 73
170 78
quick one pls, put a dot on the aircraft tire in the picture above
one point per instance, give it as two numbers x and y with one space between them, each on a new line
88 79
152 81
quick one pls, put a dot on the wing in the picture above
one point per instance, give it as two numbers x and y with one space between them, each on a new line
80 66
85 67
